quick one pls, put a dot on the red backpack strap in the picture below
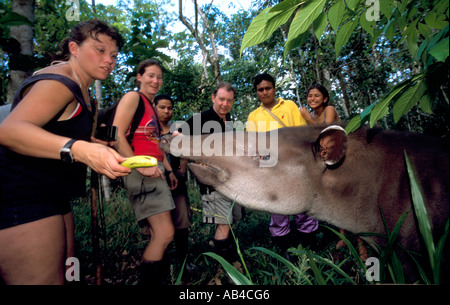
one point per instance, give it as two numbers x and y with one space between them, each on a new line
146 100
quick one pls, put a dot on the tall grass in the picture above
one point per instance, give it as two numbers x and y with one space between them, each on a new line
121 243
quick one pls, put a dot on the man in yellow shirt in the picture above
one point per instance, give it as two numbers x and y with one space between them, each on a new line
278 113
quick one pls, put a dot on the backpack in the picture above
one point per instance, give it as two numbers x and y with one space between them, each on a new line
106 117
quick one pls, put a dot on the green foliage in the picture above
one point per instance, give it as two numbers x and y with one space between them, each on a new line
359 75
263 26
121 244
389 258
435 251
237 277
421 25
182 82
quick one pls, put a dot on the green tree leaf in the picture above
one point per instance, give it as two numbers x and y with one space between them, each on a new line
12 18
352 4
344 34
319 25
353 124
436 20
408 99
387 7
412 38
379 111
263 25
304 18
368 26
300 40
440 50
382 108
425 104
258 31
336 13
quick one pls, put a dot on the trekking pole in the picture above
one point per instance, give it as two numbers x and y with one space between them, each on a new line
94 221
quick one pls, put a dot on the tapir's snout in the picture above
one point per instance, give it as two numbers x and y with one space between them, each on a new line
205 168
244 166
167 145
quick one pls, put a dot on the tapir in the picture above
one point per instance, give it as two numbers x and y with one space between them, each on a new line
345 180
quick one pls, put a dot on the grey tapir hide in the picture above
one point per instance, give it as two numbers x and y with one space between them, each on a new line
343 180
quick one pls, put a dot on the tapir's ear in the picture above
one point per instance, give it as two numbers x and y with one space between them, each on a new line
332 144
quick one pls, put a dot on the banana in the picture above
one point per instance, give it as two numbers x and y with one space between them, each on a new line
140 161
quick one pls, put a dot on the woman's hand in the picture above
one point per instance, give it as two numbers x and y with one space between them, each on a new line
106 143
100 158
305 114
173 181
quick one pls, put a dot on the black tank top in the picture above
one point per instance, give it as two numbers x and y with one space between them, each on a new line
24 179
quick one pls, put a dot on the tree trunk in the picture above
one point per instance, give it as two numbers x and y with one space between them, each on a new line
21 64
346 105
212 56
317 62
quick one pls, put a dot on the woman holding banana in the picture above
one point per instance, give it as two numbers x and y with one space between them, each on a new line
44 150
147 188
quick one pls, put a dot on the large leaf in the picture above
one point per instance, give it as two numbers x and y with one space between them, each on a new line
440 50
368 26
344 34
425 103
436 21
408 99
12 18
360 119
263 25
258 31
336 13
411 40
319 25
380 111
300 40
352 4
353 124
304 18
387 7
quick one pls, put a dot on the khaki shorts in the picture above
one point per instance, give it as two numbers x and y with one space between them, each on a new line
148 196
219 209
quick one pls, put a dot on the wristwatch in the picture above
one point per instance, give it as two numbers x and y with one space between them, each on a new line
66 153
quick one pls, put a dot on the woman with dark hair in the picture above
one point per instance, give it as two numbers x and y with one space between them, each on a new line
147 188
45 146
319 99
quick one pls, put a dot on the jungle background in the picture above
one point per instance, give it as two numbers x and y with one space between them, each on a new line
390 72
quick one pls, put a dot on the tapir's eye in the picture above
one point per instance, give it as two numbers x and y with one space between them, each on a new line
323 151
260 157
